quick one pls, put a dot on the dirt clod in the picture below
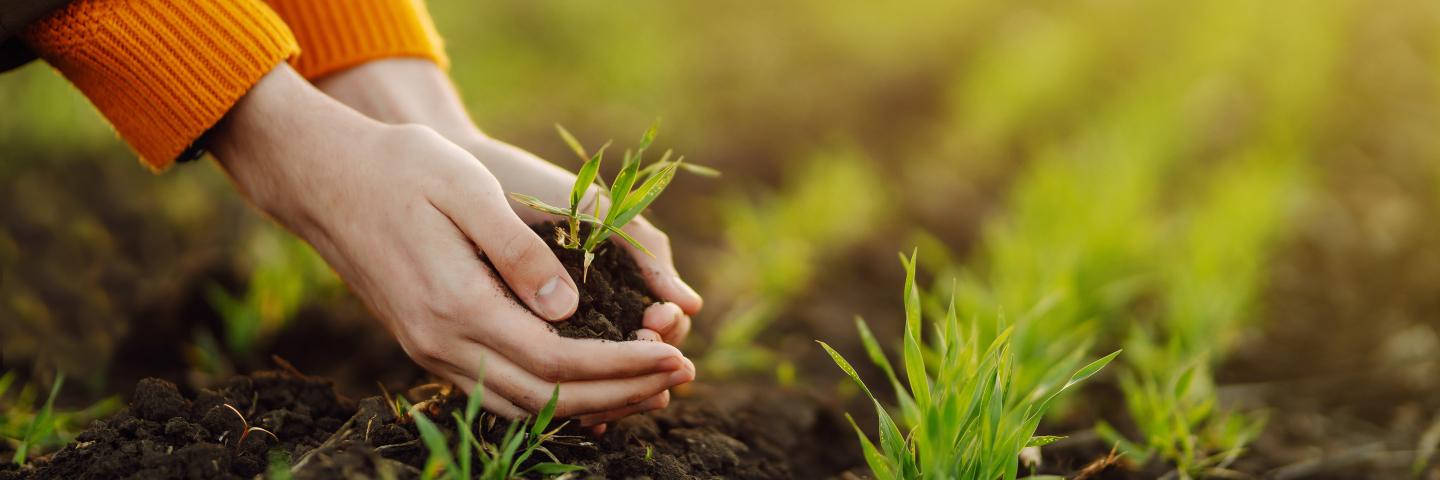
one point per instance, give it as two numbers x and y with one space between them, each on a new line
613 294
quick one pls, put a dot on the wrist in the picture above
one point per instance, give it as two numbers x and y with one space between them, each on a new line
403 90
282 123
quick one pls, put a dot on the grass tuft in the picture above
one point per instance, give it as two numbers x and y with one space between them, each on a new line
962 414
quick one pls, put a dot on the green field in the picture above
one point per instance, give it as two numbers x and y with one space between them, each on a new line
1239 197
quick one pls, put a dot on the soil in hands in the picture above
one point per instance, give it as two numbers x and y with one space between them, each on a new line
613 294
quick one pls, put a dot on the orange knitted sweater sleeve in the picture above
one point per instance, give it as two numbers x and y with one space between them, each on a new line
337 34
163 71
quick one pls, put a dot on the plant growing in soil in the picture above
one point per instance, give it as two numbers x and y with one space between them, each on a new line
1208 292
773 245
965 419
632 191
497 461
33 432
41 423
245 428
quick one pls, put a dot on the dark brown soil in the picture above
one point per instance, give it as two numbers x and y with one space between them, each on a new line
164 434
613 294
708 432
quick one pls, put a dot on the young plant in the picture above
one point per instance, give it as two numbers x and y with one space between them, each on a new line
33 432
1209 292
496 461
41 424
632 191
964 417
774 243
245 428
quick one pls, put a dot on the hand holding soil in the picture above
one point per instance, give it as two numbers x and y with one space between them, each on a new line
399 212
401 90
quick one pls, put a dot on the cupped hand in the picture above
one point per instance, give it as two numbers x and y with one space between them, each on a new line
399 90
405 217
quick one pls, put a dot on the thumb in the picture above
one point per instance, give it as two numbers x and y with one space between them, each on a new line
521 258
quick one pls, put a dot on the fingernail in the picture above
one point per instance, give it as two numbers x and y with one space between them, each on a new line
681 376
556 298
671 363
666 324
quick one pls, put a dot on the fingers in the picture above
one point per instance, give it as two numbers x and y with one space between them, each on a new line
553 358
659 270
519 255
668 322
656 402
490 402
583 397
647 335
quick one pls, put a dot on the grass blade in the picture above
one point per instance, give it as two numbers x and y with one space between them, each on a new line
881 466
37 422
435 442
572 142
643 196
584 178
845 367
648 138
536 203
546 414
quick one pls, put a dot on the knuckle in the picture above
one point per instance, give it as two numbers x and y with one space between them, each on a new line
565 409
426 350
638 396
548 369
522 249
450 306
533 403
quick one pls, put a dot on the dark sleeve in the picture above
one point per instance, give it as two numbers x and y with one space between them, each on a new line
14 16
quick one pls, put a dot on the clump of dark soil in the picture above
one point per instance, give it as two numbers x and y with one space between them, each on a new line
708 432
613 294
164 434
744 432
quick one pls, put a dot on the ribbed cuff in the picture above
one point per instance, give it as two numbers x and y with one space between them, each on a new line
163 71
338 34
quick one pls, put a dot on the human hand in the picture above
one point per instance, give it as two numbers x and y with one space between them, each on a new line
403 216
402 90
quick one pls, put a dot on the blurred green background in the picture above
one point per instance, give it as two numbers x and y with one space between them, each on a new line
847 131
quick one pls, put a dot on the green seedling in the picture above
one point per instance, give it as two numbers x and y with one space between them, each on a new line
774 243
495 461
33 432
278 465
1208 293
287 276
632 191
964 417
42 423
